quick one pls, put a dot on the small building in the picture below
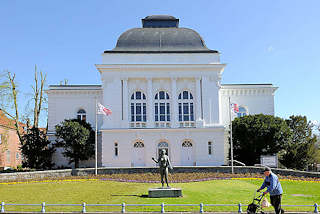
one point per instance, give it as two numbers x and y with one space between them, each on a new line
10 154
163 85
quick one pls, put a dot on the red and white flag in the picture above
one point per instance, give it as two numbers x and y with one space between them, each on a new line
235 107
103 110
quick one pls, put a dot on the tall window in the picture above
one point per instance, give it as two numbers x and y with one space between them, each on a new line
81 115
186 113
242 112
0 139
116 149
209 148
138 109
8 156
162 109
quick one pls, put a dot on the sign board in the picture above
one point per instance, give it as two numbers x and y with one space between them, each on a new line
269 160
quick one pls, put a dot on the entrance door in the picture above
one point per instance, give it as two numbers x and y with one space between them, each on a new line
161 146
186 153
138 154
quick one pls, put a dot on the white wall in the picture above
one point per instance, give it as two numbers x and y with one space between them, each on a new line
258 99
151 138
64 104
186 58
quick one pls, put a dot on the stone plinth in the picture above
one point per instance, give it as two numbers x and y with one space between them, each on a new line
164 192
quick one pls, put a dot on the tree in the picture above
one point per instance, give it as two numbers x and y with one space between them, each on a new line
36 150
38 97
77 139
9 99
256 135
301 150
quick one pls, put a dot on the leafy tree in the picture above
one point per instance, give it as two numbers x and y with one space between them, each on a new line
301 151
36 150
256 135
77 138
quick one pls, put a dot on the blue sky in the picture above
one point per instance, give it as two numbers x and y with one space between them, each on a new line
270 41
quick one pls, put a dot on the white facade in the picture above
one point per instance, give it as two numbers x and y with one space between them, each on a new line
193 130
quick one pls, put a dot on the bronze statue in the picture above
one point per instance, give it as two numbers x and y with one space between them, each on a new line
164 164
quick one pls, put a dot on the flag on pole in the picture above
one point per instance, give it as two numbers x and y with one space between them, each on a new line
235 107
103 110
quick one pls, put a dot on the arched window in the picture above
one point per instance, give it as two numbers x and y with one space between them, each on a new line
187 143
162 109
186 113
242 112
138 109
138 144
81 115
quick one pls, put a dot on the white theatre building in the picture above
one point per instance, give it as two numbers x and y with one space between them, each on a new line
164 88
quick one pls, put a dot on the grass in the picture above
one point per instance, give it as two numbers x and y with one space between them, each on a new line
229 191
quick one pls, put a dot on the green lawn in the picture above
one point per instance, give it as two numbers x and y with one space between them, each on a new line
111 192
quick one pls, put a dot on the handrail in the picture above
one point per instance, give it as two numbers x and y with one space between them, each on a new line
43 206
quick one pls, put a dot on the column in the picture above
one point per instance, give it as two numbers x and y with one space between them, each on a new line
174 101
150 116
125 103
198 103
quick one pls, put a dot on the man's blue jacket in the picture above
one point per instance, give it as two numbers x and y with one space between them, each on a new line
273 185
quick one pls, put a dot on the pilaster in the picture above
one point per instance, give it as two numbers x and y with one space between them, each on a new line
174 101
150 115
198 118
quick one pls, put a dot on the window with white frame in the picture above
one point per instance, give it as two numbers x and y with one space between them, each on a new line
138 109
0 139
242 112
209 148
138 144
162 109
82 115
187 143
186 109
116 149
17 156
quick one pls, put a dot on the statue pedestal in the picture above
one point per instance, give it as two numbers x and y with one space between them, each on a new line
164 192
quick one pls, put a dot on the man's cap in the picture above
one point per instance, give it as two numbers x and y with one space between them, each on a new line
267 169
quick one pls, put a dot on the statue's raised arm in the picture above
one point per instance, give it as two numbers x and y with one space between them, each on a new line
155 160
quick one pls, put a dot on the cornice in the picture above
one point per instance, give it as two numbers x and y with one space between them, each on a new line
142 67
216 128
247 91
74 92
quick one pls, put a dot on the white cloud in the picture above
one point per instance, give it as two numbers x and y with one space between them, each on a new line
270 48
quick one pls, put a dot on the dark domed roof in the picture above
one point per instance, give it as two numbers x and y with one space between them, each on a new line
160 34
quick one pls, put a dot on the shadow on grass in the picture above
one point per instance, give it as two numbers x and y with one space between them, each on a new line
141 196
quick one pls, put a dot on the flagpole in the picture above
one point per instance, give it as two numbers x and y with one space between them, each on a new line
231 144
96 143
